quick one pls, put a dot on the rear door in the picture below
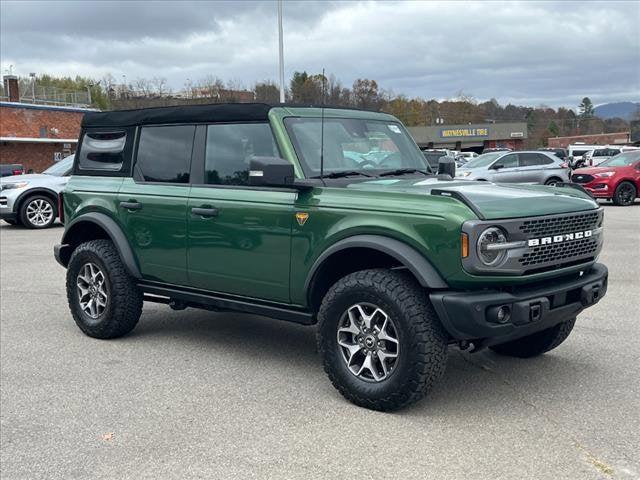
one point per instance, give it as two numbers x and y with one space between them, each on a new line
153 204
239 236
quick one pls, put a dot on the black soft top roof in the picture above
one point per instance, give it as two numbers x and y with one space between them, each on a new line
217 112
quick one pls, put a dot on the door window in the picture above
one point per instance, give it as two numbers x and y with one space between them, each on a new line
164 153
509 161
531 159
230 148
102 150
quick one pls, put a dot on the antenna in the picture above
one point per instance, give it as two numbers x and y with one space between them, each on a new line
322 132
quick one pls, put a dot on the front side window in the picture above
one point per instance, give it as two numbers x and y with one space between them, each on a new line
230 148
164 153
508 161
102 150
483 160
352 144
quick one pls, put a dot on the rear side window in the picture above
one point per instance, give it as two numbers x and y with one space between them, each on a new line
230 148
102 150
164 154
534 159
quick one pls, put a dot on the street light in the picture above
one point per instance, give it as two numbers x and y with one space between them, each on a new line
281 52
33 86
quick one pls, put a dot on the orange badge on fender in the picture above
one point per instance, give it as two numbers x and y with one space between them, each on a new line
301 217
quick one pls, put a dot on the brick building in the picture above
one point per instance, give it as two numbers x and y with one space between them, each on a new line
36 135
619 138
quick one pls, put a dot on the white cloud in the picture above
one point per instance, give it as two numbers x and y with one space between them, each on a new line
552 53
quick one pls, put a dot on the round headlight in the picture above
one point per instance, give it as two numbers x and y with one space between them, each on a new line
489 256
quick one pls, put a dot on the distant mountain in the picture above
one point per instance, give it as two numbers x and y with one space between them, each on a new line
624 110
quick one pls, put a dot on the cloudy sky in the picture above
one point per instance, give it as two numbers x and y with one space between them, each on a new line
533 53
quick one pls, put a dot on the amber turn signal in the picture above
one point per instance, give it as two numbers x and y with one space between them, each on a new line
464 241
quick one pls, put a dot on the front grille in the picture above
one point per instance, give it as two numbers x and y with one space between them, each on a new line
559 225
582 178
560 253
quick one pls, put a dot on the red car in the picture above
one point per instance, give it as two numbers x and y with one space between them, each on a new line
616 179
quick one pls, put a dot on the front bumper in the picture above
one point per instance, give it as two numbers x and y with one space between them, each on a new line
472 315
599 189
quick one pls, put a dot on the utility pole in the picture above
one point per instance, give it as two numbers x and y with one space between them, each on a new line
281 52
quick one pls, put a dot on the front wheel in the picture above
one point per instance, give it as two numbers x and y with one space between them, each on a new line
37 212
104 299
382 343
625 194
538 343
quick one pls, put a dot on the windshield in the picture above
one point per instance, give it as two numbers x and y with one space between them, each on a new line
353 144
621 160
483 160
60 169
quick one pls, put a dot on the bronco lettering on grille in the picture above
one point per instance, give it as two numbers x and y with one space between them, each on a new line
534 242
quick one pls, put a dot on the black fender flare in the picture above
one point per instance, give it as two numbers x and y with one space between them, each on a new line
115 233
34 191
408 256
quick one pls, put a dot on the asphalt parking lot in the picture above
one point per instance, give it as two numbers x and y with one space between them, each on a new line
196 394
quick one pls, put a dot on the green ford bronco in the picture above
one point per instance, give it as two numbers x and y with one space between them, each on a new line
327 217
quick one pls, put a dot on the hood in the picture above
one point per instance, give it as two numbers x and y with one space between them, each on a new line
23 178
495 200
594 170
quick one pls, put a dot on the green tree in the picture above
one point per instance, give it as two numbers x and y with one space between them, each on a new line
267 92
586 108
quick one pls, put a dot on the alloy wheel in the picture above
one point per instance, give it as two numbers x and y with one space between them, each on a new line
625 194
92 291
368 342
39 212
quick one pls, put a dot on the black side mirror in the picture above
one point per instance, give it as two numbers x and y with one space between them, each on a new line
447 166
270 171
497 166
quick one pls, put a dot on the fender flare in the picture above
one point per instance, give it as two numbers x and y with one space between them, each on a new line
115 233
408 256
34 191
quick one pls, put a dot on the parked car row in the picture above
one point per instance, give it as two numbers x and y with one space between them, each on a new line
31 200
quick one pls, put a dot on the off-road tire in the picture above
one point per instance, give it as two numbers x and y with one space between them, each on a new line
422 339
618 197
538 343
124 304
24 218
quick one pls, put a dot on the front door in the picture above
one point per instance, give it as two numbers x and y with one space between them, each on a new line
239 236
153 205
509 171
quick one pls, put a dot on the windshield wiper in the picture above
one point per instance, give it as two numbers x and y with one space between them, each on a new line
403 171
346 173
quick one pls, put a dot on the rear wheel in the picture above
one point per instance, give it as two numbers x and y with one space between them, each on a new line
382 343
104 299
38 211
552 181
625 194
538 343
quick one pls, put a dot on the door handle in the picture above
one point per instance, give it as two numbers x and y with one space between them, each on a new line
131 205
205 211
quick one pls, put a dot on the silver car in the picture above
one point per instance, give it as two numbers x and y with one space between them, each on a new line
32 200
516 167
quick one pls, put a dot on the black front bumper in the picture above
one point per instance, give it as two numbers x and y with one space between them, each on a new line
473 315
